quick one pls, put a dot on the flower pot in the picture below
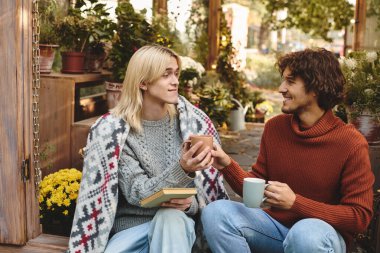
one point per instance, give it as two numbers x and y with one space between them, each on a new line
94 62
57 226
113 91
369 126
47 53
72 62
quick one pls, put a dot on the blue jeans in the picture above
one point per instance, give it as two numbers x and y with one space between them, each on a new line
170 231
231 227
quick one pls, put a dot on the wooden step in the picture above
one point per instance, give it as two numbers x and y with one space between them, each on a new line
42 244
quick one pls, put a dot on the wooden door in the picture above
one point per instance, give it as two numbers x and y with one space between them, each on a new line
18 206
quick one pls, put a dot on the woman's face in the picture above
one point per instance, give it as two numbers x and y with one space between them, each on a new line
165 89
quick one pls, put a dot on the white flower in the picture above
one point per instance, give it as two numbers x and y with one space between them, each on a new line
371 56
369 92
188 62
341 60
350 63
195 80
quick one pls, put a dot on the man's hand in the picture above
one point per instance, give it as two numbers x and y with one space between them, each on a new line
279 195
221 159
179 204
191 164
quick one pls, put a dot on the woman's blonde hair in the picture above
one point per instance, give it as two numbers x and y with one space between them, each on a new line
146 66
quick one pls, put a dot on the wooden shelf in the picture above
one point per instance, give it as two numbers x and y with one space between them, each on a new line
61 107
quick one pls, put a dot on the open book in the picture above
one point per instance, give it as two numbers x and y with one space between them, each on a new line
165 194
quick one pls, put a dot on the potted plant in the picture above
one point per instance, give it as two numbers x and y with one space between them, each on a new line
57 200
84 28
74 31
102 33
49 13
362 92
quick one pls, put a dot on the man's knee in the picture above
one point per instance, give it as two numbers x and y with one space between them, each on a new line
214 210
312 235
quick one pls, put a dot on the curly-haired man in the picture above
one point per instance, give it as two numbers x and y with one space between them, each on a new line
318 170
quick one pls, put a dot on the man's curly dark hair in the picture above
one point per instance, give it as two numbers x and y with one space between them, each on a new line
320 70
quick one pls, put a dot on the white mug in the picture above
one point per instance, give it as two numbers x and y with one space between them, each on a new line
253 192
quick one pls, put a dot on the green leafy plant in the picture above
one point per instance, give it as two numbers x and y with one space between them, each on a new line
196 29
86 25
49 13
215 99
74 31
314 17
132 32
362 91
263 71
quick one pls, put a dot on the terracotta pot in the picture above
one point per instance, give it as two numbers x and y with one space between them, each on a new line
94 62
113 91
72 62
369 126
47 53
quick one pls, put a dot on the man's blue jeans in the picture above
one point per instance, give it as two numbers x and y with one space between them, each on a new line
231 227
169 231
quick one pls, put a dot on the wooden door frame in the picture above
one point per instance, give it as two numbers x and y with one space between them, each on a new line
19 219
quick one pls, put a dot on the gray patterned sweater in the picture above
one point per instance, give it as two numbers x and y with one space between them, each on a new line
149 161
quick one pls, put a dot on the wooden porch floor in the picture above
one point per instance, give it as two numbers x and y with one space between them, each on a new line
42 244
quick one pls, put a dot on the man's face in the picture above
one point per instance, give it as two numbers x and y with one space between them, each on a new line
296 99
165 89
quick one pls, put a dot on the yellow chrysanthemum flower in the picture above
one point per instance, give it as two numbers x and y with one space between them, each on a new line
59 191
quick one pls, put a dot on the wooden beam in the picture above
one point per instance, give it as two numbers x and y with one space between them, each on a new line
213 32
160 7
359 26
17 201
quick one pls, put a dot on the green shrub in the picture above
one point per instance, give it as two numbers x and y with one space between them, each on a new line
265 74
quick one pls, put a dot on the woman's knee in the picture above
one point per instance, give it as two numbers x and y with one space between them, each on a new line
172 217
313 235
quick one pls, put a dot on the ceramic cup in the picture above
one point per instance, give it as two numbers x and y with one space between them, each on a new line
253 192
206 139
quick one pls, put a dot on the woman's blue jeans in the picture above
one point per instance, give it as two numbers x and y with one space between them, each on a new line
169 231
231 227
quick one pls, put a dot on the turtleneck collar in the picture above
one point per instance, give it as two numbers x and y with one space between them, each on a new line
325 124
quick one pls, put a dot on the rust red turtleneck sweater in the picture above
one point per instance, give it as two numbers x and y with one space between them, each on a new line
327 166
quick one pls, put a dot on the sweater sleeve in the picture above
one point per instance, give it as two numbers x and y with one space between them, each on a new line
193 208
136 184
354 211
235 175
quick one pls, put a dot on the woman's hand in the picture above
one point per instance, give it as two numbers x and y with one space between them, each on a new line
179 204
191 164
221 159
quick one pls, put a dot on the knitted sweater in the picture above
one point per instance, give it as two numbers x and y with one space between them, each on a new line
149 161
327 167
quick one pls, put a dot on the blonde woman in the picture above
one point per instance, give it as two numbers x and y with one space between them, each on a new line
136 150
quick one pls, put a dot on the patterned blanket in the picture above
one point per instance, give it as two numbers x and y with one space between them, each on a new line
98 195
